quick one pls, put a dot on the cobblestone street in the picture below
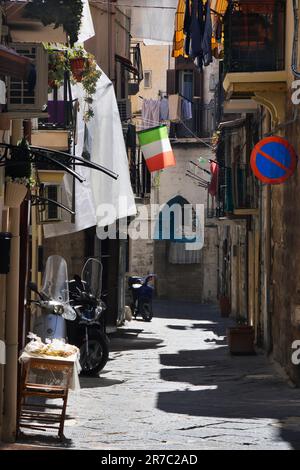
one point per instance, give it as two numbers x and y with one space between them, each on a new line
172 384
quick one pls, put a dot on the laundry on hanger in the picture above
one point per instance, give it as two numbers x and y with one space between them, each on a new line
218 29
207 36
175 107
164 109
186 110
150 113
197 32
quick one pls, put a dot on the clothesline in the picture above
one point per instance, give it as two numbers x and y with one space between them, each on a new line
157 123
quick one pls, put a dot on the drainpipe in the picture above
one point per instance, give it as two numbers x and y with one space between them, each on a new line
268 324
12 309
3 283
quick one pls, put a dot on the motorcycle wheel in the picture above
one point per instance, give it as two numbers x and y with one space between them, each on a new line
146 311
94 353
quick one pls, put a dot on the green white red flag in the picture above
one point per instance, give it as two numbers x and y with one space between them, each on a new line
156 147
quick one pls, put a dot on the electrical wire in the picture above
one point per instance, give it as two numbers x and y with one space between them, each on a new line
158 123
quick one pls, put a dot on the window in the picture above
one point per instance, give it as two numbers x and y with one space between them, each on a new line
51 212
148 79
186 80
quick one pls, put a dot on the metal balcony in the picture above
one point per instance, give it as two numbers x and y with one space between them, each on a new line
255 36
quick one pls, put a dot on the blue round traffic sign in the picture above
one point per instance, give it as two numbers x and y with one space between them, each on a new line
273 160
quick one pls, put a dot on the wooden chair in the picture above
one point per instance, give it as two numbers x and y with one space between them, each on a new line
47 379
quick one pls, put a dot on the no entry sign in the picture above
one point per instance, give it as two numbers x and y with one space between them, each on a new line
273 160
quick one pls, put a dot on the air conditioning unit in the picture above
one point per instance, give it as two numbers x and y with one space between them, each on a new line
124 109
20 100
52 212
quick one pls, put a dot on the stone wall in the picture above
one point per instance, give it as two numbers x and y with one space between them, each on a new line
286 259
71 247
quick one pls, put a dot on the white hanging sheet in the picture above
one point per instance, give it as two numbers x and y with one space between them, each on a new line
152 19
107 147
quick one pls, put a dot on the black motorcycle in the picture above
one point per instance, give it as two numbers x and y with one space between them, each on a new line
88 331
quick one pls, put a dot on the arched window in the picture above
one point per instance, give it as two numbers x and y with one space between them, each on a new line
177 222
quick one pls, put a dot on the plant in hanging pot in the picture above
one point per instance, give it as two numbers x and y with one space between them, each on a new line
18 175
241 338
78 61
85 71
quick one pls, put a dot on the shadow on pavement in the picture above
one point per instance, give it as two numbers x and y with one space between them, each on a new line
232 387
126 340
98 382
44 440
184 310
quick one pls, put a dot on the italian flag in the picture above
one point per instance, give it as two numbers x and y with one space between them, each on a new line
156 147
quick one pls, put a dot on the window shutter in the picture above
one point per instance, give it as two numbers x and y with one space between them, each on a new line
198 83
172 82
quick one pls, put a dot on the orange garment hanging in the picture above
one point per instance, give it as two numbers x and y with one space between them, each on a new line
179 36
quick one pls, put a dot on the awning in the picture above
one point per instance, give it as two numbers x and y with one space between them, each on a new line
219 6
127 64
13 64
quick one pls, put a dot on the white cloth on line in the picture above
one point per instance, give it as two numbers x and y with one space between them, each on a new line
164 109
87 30
153 19
107 148
151 113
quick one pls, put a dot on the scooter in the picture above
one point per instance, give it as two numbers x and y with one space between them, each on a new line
142 295
88 331
53 301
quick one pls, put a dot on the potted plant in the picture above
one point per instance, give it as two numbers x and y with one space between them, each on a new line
85 71
241 338
78 61
18 175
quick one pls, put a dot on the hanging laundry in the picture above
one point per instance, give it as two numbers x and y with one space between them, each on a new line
186 110
156 147
187 26
207 36
218 29
164 109
197 29
150 113
213 186
175 107
179 36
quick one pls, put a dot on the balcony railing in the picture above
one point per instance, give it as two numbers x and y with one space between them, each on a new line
237 191
255 36
140 175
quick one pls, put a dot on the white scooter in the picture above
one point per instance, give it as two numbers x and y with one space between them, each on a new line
53 300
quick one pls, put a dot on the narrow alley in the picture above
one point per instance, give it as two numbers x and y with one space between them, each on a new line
171 383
